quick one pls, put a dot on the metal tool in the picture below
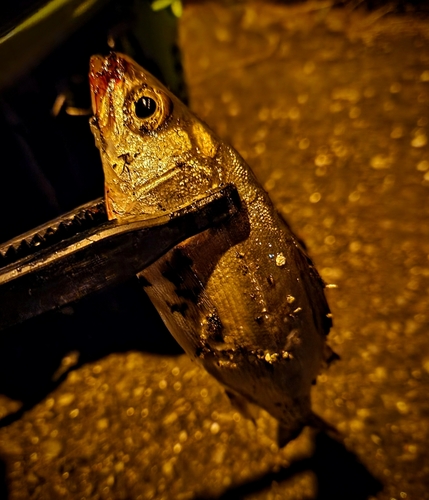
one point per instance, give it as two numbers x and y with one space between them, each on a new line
82 252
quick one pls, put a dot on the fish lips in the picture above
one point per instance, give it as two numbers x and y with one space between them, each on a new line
104 74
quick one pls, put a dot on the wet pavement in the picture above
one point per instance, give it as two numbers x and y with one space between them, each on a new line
330 109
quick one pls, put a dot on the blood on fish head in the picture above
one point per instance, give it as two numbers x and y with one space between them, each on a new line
157 156
103 73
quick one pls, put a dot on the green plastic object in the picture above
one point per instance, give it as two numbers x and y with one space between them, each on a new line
28 42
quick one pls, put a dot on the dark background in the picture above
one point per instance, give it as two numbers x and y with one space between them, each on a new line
50 165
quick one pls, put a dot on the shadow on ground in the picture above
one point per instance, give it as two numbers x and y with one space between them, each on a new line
3 484
339 474
122 320
119 320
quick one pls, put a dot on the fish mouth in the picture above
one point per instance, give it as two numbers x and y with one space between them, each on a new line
104 74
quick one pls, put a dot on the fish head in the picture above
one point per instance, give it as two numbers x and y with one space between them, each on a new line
157 156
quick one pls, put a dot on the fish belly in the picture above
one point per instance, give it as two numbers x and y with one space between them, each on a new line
239 298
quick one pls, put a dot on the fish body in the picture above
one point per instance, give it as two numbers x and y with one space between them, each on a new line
242 298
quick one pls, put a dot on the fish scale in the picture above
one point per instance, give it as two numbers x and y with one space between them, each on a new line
242 298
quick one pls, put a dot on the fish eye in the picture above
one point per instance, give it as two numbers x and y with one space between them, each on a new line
148 108
144 107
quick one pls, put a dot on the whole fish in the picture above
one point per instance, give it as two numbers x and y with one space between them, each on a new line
242 298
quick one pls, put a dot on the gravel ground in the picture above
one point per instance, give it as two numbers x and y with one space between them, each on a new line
330 109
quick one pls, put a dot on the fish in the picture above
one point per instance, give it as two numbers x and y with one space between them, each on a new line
242 298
